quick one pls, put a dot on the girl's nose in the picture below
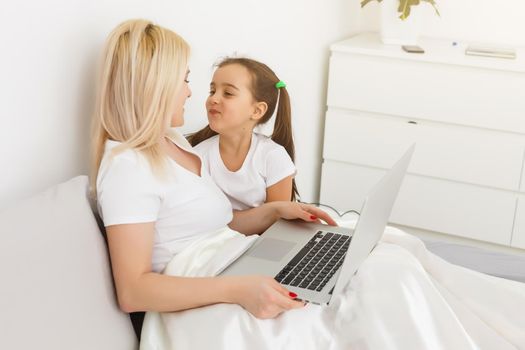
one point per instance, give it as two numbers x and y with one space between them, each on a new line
213 99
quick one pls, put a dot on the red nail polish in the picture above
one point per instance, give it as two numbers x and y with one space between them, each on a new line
313 217
292 294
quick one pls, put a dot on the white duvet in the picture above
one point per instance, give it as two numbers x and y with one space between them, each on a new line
402 297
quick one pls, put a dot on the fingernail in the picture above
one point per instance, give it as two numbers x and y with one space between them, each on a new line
292 294
313 217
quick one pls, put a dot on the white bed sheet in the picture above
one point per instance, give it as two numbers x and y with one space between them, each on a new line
402 297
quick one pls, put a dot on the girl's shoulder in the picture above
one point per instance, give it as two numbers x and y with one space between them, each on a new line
272 160
270 157
265 146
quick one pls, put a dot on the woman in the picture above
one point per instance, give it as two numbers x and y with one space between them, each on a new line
152 194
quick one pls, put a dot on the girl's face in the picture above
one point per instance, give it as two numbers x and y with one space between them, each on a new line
177 118
230 105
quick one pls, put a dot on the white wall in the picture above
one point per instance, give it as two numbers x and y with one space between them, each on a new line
498 22
48 58
49 50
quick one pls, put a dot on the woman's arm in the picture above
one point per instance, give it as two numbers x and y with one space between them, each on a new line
140 289
257 220
280 191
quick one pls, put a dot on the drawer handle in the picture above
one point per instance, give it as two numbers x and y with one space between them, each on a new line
412 122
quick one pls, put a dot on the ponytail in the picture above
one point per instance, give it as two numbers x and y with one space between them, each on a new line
201 135
282 130
268 88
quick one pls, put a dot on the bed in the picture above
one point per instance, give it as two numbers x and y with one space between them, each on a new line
402 297
57 293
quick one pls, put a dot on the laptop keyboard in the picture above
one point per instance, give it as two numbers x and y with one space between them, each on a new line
317 262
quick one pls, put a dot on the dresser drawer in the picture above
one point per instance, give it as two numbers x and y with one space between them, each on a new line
468 155
518 236
427 203
463 95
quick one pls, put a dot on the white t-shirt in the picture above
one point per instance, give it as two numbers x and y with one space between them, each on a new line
266 164
183 205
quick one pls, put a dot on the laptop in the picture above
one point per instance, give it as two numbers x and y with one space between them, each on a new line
317 261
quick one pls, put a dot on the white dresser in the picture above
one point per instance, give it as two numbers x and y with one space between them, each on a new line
467 116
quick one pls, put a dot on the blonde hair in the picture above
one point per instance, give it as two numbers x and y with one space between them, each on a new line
143 67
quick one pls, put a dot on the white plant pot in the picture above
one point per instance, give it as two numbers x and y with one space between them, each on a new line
395 31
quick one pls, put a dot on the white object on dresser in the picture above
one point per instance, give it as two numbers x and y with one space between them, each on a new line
394 30
467 116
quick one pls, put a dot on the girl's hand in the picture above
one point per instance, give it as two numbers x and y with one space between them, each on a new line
263 296
295 210
258 219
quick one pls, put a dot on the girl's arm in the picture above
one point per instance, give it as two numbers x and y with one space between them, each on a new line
140 289
257 220
280 191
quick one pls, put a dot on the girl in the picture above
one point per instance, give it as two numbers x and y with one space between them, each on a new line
250 168
151 190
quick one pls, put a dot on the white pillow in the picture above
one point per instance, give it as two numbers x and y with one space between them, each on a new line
56 286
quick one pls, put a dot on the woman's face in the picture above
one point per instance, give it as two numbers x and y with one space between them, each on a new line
180 99
230 104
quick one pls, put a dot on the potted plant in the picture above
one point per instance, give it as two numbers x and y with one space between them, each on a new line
404 6
395 28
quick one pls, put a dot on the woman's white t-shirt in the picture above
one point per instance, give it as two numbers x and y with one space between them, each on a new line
184 206
266 164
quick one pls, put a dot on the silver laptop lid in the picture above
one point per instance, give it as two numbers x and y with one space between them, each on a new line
373 219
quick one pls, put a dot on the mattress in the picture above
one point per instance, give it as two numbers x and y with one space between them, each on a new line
509 266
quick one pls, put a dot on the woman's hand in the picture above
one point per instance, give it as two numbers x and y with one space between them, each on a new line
263 296
295 210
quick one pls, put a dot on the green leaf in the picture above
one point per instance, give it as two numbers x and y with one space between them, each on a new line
433 3
405 5
365 2
404 9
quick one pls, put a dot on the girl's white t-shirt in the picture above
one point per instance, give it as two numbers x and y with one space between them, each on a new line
266 164
183 205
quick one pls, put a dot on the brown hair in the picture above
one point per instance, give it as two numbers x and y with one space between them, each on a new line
263 90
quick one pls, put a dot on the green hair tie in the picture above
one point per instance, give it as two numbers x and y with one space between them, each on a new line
280 84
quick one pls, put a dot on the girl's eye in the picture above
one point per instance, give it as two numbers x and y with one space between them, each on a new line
186 81
227 93
212 92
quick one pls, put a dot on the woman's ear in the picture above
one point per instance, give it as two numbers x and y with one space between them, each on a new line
260 109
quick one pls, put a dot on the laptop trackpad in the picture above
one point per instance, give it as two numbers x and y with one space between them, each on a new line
272 249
